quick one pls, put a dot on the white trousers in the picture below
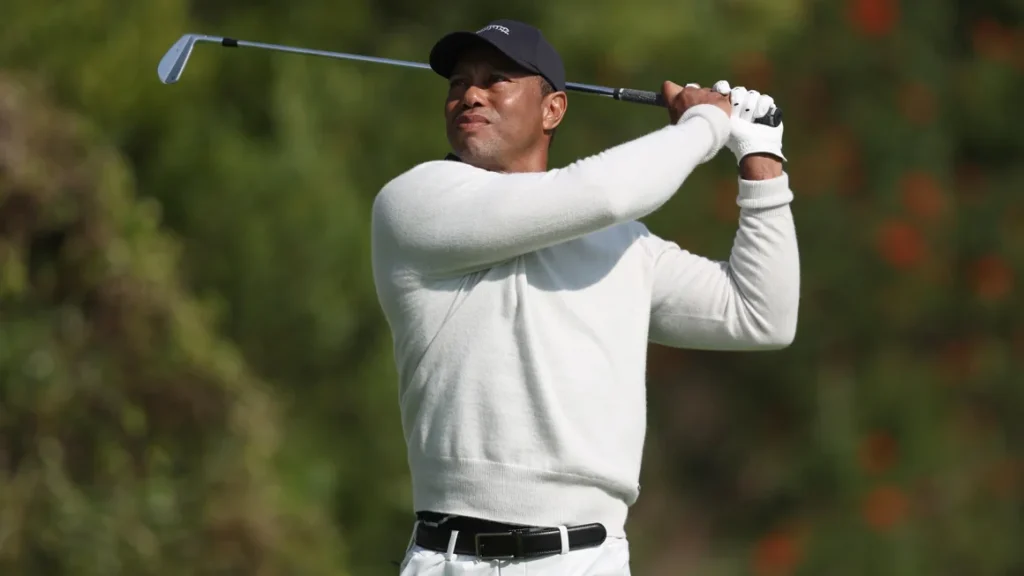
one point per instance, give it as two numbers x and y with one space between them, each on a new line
609 559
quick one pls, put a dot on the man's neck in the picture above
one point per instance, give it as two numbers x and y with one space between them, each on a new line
534 165
531 163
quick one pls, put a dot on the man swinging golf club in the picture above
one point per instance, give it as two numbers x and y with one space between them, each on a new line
522 300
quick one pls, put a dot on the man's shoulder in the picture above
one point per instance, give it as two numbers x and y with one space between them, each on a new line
450 164
417 171
429 172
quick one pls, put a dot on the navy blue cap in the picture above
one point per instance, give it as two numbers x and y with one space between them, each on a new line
522 43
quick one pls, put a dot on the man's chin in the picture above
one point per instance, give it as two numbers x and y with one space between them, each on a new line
475 153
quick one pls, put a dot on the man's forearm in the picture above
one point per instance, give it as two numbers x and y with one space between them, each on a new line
450 218
760 167
749 302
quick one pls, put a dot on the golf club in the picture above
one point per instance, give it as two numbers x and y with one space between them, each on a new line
172 65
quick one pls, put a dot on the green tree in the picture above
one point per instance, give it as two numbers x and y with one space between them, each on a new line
133 439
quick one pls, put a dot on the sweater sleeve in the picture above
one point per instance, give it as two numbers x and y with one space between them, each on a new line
749 302
450 218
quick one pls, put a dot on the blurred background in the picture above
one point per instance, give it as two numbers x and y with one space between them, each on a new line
195 376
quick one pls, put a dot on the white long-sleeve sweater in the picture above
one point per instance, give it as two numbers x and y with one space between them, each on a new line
521 307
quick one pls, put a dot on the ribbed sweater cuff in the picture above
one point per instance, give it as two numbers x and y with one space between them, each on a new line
762 195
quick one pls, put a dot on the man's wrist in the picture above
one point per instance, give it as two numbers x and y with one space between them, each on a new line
760 166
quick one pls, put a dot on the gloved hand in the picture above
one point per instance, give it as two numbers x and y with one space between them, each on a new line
748 137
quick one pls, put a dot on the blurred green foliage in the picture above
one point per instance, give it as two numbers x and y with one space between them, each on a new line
196 378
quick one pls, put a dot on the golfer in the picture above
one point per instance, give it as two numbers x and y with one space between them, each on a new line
522 299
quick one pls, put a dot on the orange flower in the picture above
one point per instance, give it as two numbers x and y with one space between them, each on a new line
992 40
992 278
917 103
885 508
873 17
922 195
777 554
878 453
900 244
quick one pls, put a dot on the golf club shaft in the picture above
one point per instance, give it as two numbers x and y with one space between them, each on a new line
232 43
773 118
624 94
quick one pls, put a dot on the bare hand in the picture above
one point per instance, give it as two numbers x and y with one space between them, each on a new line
680 99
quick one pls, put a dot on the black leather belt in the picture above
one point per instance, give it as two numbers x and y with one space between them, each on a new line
511 543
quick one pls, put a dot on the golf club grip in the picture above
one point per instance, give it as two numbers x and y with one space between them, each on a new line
640 97
773 118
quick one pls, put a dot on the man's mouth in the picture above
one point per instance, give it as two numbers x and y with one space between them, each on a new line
471 121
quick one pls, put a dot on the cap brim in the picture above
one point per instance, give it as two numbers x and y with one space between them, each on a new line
446 52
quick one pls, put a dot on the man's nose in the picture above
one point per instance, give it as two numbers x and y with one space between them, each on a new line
474 96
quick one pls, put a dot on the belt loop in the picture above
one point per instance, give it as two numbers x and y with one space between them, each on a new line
450 554
564 533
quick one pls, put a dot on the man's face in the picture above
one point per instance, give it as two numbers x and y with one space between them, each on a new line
495 111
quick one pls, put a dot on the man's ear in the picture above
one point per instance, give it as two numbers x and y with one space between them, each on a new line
554 110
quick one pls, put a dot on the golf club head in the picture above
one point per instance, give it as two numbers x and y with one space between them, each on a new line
173 63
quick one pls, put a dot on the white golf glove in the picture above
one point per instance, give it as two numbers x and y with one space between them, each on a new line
748 137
